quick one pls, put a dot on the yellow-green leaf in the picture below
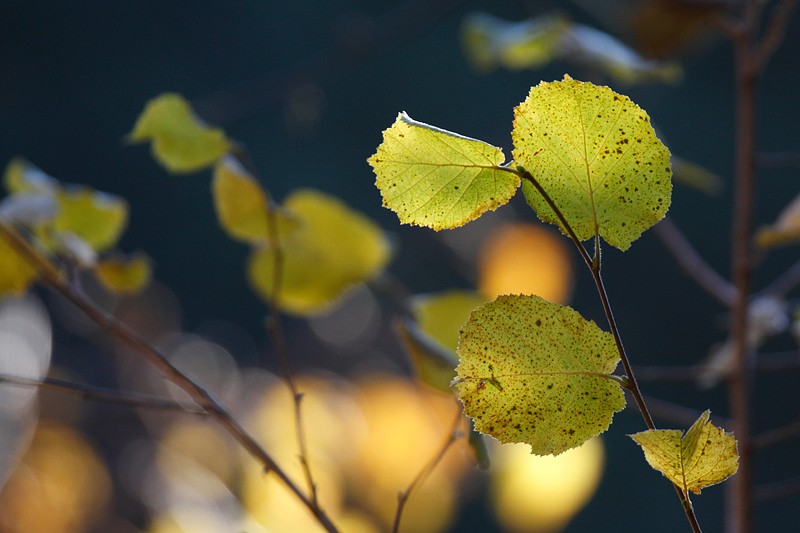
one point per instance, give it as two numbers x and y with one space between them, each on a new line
124 275
16 274
596 154
182 143
97 218
441 315
537 372
695 175
785 230
243 206
334 248
704 456
433 363
21 176
435 178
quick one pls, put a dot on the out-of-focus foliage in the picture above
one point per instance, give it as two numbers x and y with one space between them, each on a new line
785 230
122 274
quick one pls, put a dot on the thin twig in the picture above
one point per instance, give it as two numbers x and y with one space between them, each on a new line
452 436
783 284
669 373
773 37
680 414
779 489
119 330
594 265
103 394
777 435
692 263
778 362
778 159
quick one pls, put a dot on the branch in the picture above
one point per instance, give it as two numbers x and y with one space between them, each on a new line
775 33
669 373
778 159
452 436
117 329
679 414
692 263
779 489
783 284
777 435
102 394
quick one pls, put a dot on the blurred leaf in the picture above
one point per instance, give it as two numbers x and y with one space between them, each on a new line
536 372
28 209
664 28
124 275
335 248
96 217
441 315
696 176
704 456
16 274
785 230
242 205
181 142
596 154
433 364
435 178
490 41
22 176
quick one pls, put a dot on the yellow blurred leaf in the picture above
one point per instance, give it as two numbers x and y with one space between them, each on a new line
16 274
124 275
334 249
785 230
97 218
695 175
21 176
525 259
242 205
704 456
433 363
439 179
181 142
441 315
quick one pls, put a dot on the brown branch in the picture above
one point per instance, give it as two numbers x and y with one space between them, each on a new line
692 264
120 331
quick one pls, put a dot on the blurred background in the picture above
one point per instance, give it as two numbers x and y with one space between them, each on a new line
307 87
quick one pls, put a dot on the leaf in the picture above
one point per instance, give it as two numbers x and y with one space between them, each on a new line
242 206
536 372
433 364
96 217
21 176
596 154
435 178
16 274
441 315
182 143
704 456
335 248
696 176
124 275
785 230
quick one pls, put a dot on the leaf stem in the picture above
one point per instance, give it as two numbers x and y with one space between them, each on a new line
594 265
51 277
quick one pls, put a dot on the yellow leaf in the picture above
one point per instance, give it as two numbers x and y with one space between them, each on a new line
434 364
335 248
97 218
696 176
596 154
441 315
243 206
704 456
435 178
785 230
16 274
124 275
21 176
182 143
537 372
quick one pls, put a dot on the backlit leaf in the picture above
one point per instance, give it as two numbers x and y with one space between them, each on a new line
704 456
596 154
694 175
242 205
124 275
536 372
433 363
442 315
181 142
16 274
785 230
21 176
435 178
97 218
334 248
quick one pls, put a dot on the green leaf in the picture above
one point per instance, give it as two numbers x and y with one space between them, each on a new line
242 206
182 143
596 154
704 456
335 248
96 217
537 372
441 315
435 178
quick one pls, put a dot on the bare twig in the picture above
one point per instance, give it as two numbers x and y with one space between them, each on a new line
783 284
779 489
680 414
692 263
773 37
402 498
778 159
777 362
777 435
108 323
669 373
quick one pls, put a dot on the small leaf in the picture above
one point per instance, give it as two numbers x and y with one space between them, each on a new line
696 176
21 176
441 315
335 248
704 456
435 178
182 143
16 274
96 217
536 372
785 230
124 275
243 206
433 364
596 154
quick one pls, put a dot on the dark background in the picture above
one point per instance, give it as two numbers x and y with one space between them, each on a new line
76 74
